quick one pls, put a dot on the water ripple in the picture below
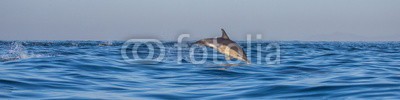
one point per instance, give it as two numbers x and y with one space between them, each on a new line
96 70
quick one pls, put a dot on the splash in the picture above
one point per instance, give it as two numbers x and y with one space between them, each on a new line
106 43
17 51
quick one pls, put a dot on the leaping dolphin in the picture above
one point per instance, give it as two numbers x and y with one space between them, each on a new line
225 46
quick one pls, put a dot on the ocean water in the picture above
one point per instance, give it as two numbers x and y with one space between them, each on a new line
96 70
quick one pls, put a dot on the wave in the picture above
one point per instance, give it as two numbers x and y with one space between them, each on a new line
96 70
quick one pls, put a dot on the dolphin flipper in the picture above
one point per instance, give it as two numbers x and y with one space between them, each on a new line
227 57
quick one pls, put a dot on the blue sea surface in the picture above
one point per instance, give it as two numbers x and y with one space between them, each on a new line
96 70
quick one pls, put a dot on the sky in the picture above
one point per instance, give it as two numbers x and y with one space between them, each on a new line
303 20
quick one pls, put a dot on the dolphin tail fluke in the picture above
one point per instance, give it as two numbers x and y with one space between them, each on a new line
248 62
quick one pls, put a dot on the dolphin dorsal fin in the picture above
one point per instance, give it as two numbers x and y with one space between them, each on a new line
224 35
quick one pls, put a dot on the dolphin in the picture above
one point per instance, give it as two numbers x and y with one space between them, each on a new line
225 46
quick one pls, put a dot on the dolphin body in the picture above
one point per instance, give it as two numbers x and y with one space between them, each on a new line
225 46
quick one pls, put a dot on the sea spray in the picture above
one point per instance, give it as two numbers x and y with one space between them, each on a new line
17 51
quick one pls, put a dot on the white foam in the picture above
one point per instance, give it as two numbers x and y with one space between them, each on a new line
17 51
